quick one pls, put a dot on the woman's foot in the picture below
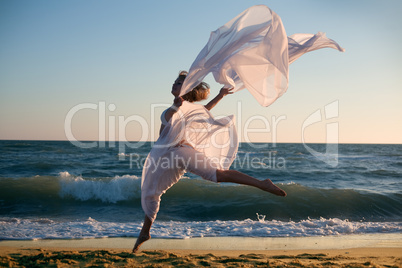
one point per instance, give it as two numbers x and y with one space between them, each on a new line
140 240
268 186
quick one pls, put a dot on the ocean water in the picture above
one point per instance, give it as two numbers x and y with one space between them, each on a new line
54 189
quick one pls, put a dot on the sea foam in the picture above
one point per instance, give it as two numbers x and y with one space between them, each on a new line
119 188
13 228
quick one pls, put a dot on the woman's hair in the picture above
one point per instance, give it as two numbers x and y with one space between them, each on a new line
182 75
199 93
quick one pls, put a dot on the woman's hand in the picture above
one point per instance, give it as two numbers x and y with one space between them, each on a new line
222 93
226 91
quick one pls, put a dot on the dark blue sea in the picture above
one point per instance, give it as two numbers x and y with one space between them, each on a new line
55 189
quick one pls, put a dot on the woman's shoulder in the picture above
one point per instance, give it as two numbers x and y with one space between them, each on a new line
163 119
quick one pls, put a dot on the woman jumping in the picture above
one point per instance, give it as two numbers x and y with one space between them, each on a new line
164 167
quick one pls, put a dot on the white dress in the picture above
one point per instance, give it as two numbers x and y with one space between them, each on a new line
251 51
191 141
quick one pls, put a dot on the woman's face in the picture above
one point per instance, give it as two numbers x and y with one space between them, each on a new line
177 87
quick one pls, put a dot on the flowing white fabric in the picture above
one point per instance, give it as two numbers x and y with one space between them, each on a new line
215 140
253 51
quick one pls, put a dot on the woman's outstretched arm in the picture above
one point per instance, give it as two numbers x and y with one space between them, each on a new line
224 91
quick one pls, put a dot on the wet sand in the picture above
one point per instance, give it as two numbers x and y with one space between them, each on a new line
336 251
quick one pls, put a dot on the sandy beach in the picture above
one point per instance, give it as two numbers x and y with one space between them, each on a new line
375 250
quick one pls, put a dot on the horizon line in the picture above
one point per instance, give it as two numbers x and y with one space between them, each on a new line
239 142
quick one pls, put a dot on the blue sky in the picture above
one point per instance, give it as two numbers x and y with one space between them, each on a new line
55 55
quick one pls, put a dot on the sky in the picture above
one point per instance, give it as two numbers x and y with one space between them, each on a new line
103 70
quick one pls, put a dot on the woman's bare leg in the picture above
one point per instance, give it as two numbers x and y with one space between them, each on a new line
144 234
235 176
